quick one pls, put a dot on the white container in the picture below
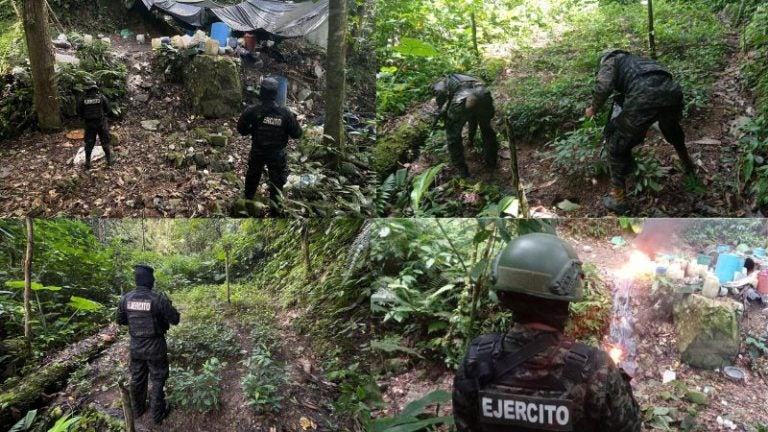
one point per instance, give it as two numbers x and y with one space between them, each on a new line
711 286
87 39
140 38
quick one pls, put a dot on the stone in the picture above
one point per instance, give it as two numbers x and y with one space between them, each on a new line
114 139
96 154
200 160
696 397
141 98
150 125
707 331
304 94
218 140
201 134
213 83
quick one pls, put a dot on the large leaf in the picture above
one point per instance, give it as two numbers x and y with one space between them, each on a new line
415 47
36 286
25 423
407 420
421 184
81 303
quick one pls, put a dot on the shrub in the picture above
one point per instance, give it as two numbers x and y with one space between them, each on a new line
263 381
196 390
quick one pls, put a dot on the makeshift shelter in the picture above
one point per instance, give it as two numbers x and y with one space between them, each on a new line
308 19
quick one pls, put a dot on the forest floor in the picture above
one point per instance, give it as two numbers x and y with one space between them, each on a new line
742 403
38 175
306 397
712 141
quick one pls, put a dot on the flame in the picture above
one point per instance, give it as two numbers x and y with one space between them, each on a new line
616 354
638 264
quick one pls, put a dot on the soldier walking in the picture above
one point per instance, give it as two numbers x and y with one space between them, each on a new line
94 108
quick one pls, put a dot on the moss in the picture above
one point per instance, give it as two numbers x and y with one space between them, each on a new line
214 86
707 331
394 147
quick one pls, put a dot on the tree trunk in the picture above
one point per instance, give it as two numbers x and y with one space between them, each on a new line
125 395
30 392
38 38
305 248
474 34
336 62
651 30
28 283
226 275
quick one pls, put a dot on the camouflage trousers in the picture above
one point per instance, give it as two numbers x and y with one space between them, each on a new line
628 130
277 170
480 114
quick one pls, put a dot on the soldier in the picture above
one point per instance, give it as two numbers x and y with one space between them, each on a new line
463 99
148 316
270 126
646 94
94 108
534 378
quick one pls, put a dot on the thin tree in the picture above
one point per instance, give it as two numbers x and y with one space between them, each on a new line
336 63
28 284
38 38
227 247
651 31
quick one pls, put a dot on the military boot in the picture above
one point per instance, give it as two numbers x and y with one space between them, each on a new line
158 417
616 201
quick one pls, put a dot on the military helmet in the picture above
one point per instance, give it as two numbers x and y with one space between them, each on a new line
539 265
90 84
610 52
268 89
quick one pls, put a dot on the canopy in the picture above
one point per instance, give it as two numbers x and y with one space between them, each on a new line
286 19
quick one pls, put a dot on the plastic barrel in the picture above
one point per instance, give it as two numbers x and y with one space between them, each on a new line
220 32
758 252
704 260
727 265
723 248
762 282
282 89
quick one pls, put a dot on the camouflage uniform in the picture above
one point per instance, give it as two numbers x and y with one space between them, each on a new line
600 396
463 99
647 94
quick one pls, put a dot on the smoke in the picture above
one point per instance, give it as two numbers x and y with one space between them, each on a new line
658 235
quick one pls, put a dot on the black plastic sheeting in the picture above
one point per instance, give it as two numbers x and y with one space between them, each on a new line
278 17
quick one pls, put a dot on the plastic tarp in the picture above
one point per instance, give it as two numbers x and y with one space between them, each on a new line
189 13
286 19
277 17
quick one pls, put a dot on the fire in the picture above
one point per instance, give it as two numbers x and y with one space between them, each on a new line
616 354
638 264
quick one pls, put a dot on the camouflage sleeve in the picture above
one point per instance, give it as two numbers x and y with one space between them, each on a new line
120 316
611 400
464 402
605 83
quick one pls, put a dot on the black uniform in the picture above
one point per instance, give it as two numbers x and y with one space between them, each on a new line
94 108
529 380
270 126
148 316
646 93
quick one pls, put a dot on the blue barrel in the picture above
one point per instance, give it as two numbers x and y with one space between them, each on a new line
282 89
758 252
727 265
723 248
220 32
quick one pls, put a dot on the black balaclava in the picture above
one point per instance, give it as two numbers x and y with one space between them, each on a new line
144 276
268 92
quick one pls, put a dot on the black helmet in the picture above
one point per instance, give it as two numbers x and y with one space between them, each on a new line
144 275
539 265
268 90
610 52
91 84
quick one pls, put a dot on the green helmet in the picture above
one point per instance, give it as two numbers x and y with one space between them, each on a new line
539 265
90 84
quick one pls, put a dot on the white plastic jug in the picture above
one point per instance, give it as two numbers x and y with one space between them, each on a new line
711 286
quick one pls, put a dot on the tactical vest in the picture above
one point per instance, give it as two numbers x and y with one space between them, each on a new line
544 404
631 68
92 107
141 315
270 128
448 87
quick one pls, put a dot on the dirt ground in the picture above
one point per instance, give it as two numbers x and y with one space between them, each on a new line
742 403
38 178
711 141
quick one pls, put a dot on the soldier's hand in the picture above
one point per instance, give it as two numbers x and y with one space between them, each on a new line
589 112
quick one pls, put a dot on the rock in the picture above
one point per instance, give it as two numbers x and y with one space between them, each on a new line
141 97
97 154
214 86
232 178
304 94
696 397
707 331
150 125
200 160
202 134
251 208
218 140
114 139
